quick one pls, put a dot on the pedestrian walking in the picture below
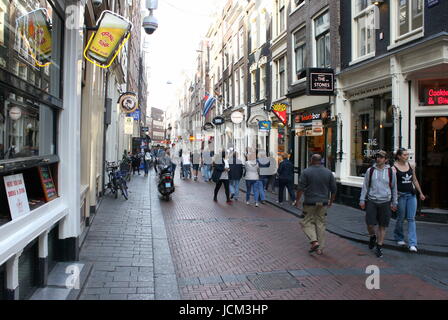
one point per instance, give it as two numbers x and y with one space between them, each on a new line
147 161
181 164
186 164
206 164
136 163
221 176
407 187
252 177
378 198
318 186
286 178
235 175
196 159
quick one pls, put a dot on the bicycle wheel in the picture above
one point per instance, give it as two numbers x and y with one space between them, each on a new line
124 189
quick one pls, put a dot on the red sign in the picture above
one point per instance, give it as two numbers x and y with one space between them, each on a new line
436 96
280 110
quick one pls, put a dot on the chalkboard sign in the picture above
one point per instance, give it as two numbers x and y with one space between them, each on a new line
47 183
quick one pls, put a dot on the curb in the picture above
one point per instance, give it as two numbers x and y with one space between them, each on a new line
361 238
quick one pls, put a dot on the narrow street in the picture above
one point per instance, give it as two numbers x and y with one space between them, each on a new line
236 251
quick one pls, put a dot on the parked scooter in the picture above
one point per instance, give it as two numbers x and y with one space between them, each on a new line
166 181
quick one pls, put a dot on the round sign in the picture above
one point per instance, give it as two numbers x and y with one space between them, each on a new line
218 121
128 102
15 113
237 117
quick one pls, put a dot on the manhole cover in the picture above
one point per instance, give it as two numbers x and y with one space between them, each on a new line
277 281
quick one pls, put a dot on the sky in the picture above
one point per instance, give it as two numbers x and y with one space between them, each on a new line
171 49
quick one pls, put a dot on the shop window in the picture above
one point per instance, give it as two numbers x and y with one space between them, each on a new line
16 56
433 92
372 130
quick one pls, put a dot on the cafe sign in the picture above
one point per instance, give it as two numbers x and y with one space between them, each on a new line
128 102
320 82
281 111
436 96
112 32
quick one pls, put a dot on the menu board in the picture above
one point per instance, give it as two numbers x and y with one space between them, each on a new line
47 182
17 197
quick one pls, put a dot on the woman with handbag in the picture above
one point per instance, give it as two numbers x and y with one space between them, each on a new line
407 185
221 176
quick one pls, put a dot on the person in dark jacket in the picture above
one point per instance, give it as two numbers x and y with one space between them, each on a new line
286 179
235 175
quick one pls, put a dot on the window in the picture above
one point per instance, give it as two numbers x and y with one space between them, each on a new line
241 43
298 3
372 130
322 38
242 86
281 16
263 82
280 77
410 16
253 88
262 29
299 52
231 91
254 35
364 31
237 87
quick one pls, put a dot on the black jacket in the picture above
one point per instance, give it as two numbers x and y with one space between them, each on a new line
286 170
236 169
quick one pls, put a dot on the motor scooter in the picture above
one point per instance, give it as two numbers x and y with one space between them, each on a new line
165 184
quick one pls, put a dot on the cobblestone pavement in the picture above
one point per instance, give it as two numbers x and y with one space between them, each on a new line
238 251
128 248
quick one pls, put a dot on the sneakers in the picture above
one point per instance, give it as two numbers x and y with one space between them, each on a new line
401 243
314 246
256 204
231 197
229 201
372 242
294 203
379 251
412 249
247 202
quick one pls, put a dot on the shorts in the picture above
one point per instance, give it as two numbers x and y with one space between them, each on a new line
378 214
196 167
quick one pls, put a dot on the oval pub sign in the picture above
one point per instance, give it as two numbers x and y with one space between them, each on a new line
218 121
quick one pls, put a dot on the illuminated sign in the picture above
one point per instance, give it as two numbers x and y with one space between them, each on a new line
436 96
128 102
34 36
280 110
308 117
104 45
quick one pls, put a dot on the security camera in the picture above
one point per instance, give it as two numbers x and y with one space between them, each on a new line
97 3
150 24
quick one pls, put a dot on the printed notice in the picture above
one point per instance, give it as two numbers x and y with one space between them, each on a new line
17 197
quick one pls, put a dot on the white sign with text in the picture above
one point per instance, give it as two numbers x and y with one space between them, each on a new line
17 197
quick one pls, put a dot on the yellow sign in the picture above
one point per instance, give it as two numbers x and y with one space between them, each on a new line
279 107
34 31
104 45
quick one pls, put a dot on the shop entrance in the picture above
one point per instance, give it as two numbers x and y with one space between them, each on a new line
432 162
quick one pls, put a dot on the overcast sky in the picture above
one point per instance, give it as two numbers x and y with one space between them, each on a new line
172 47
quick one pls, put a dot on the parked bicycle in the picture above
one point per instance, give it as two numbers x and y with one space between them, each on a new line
117 180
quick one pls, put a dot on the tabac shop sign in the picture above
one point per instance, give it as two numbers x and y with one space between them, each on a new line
281 111
320 82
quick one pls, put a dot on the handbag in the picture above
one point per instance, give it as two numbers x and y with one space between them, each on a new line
217 172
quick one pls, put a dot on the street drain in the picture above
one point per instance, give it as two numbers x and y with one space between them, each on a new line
277 281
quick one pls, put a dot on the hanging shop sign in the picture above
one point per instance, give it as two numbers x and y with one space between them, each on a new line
135 115
208 126
34 36
320 82
436 96
15 113
16 194
237 117
217 121
128 102
104 45
281 111
128 125
264 126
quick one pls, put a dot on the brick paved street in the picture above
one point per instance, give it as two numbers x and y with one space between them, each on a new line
244 252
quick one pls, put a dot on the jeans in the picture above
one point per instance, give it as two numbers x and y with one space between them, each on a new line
289 184
407 208
207 172
257 186
261 192
146 164
235 188
187 171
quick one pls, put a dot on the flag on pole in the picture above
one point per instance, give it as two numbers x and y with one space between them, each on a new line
209 102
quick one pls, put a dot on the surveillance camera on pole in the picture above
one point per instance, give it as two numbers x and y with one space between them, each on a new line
150 23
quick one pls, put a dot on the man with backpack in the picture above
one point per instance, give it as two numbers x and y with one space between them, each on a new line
379 196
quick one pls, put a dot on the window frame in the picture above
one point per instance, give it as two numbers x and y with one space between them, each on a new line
299 45
411 35
317 37
356 36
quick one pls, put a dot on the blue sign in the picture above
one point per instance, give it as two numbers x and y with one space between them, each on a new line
135 115
264 125
432 3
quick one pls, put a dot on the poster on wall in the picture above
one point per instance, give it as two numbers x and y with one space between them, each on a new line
17 197
128 125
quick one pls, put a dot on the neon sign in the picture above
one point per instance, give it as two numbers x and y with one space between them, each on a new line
436 96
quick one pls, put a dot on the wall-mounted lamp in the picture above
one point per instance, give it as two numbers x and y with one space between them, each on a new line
377 2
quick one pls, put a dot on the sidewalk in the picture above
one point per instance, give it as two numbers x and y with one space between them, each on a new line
349 223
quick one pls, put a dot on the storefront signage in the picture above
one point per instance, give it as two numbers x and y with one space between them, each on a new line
436 96
281 111
432 3
128 102
208 126
237 117
320 82
34 36
135 115
317 129
128 125
309 117
218 121
104 45
264 126
47 182
15 113
16 194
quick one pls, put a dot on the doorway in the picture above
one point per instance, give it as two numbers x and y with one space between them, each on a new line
432 162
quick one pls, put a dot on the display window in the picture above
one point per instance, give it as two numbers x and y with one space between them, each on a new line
433 92
372 129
